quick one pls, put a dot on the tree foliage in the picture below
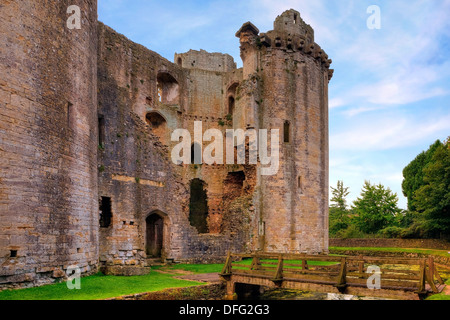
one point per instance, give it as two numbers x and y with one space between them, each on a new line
413 174
432 199
339 213
376 208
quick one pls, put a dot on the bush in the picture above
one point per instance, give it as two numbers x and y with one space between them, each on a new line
392 232
352 232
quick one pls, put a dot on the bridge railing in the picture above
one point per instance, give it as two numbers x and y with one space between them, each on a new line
413 274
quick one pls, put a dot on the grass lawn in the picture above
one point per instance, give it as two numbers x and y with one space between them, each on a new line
443 253
99 287
102 287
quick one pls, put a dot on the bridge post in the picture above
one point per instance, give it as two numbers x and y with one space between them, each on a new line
422 289
231 291
342 278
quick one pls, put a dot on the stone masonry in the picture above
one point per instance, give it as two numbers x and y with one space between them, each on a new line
86 117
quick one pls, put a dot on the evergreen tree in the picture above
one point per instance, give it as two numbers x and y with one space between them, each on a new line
376 208
339 213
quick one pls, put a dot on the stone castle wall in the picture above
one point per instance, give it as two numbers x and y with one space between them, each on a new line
48 133
85 129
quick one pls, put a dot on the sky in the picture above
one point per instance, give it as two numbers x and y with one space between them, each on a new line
389 96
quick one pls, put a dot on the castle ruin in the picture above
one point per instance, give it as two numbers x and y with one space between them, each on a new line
86 117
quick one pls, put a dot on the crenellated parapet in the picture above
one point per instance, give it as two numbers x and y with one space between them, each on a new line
290 34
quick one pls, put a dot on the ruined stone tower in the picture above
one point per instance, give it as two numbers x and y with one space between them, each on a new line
48 140
285 87
86 119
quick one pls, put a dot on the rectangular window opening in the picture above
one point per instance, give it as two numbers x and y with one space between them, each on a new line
105 212
69 113
101 130
13 253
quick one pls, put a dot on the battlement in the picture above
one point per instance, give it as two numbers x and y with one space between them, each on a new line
291 23
290 34
204 60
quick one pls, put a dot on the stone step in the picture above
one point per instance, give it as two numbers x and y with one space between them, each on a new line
154 262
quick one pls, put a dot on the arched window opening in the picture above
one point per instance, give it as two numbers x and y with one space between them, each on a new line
231 103
158 125
286 131
180 62
198 206
168 89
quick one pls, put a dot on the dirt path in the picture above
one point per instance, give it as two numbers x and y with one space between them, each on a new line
205 277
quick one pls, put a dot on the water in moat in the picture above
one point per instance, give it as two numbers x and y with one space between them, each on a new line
245 292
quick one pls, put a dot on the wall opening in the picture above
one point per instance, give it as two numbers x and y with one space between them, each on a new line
69 113
154 235
233 185
198 206
300 184
101 130
180 62
13 254
295 18
196 153
158 125
168 89
286 131
231 93
105 212
231 103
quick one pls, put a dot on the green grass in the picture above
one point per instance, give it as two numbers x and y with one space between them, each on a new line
441 296
99 287
195 268
443 253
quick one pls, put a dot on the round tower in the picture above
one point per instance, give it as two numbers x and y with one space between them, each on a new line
290 77
48 139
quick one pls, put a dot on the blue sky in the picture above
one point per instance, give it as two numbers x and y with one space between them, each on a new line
389 97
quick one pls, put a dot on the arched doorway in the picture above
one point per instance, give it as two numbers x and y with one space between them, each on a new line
154 235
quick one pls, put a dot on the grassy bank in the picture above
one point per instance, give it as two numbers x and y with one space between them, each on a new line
99 287
443 253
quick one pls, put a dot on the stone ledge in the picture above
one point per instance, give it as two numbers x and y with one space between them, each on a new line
125 270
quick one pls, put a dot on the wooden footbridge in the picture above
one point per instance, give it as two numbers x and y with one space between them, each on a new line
400 278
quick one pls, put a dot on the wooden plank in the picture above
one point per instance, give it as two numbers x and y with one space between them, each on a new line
279 273
381 261
341 280
227 267
384 283
287 271
421 286
434 270
384 276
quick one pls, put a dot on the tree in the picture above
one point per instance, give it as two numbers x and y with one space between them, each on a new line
433 198
376 208
339 213
413 174
339 195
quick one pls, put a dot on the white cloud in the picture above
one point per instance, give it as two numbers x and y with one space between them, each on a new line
385 133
